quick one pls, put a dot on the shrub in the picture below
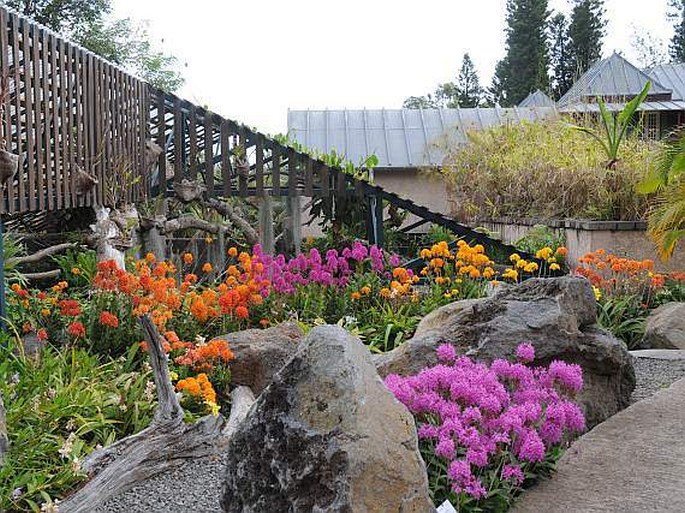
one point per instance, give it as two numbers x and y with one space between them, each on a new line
485 429
545 169
59 408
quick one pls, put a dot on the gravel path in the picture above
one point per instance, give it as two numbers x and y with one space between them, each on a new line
196 486
653 375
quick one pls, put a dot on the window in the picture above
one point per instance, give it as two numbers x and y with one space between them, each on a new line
651 125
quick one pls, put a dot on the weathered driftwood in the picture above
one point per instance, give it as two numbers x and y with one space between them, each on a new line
45 275
227 210
167 443
39 255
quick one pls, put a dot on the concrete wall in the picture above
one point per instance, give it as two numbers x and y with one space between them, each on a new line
423 188
621 238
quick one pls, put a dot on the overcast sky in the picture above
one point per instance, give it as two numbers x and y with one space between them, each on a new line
252 60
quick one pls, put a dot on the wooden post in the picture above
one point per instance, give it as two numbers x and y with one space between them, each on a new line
266 225
375 224
3 311
294 223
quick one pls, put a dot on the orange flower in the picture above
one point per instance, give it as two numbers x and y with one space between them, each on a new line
355 296
42 334
109 319
232 251
241 312
76 329
207 268
187 258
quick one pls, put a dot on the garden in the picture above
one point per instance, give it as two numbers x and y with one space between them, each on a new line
78 376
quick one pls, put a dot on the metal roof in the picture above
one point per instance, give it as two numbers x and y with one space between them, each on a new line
400 138
616 107
671 76
537 99
613 76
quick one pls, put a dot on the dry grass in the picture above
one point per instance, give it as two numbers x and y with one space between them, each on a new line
545 169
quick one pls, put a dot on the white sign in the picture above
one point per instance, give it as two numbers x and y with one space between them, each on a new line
446 507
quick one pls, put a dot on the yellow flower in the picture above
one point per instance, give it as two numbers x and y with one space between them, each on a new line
554 267
521 263
365 290
531 267
173 375
75 271
447 295
45 312
514 257
511 274
544 253
213 407
598 293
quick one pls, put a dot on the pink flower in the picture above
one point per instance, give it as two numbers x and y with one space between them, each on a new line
512 473
446 353
525 353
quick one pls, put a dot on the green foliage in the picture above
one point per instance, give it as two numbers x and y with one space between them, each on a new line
524 67
121 41
585 33
667 179
560 56
614 127
540 236
67 394
545 169
78 267
676 15
625 317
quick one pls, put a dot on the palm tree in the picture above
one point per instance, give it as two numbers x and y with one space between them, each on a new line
666 218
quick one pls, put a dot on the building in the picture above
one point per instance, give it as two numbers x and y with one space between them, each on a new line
409 143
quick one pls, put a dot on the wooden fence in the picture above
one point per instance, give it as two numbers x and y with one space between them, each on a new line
78 123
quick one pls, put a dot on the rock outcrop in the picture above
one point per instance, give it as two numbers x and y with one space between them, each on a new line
556 315
259 354
665 327
326 435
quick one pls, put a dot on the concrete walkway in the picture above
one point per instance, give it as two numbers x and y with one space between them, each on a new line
633 462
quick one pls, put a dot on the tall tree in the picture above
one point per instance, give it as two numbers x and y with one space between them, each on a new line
585 33
524 68
650 49
676 13
122 41
465 92
468 90
560 56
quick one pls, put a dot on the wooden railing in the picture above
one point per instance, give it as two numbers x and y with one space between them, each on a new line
78 123
92 134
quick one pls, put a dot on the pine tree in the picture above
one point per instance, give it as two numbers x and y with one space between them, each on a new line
585 33
469 92
560 56
676 49
524 68
465 92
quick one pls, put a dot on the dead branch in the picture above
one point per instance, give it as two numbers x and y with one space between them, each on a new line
40 255
166 444
227 210
185 222
45 275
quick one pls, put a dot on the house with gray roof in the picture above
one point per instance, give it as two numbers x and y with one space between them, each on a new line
616 81
407 142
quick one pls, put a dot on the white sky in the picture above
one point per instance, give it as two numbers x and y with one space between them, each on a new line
252 60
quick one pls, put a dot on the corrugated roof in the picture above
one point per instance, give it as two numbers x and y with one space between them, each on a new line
400 138
613 76
616 107
537 99
671 76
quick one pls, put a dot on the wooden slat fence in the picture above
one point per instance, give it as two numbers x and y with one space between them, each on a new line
66 110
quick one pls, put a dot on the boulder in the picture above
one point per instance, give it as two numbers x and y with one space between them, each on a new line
326 435
556 315
665 327
259 354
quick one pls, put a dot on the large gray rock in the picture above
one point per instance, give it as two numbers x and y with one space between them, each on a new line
556 315
326 435
665 327
259 354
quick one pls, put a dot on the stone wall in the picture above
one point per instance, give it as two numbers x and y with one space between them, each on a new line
622 238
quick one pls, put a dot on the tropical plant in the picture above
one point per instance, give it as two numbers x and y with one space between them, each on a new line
666 218
614 126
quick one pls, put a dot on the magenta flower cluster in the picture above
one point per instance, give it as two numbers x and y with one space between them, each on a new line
334 269
504 416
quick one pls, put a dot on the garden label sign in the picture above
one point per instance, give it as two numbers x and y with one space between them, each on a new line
446 507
